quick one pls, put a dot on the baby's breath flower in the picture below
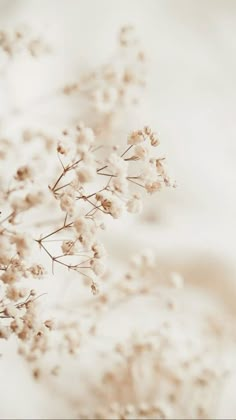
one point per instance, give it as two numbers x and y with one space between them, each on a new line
127 36
85 174
82 225
134 204
34 198
23 173
135 137
13 293
153 187
61 148
17 325
141 151
117 165
91 185
85 135
98 267
9 277
11 310
67 203
94 288
98 250
111 204
4 332
119 184
68 247
105 99
160 167
23 244
148 173
49 324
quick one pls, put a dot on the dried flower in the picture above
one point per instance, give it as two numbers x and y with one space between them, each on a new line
73 181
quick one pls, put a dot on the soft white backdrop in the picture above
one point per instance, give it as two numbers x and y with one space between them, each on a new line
191 47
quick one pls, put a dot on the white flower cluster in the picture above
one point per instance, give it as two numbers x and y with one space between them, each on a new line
95 182
90 188
17 298
13 42
119 81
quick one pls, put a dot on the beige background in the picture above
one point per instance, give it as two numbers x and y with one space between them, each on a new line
190 101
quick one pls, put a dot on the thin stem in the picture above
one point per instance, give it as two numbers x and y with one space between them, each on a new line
13 213
60 188
54 232
136 183
126 151
58 180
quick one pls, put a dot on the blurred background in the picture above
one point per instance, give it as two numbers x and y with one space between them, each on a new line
190 102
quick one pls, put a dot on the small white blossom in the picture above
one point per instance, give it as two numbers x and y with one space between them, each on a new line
85 135
119 184
4 332
98 250
94 288
160 167
23 173
23 244
62 149
11 311
98 267
67 203
117 165
141 151
105 99
134 204
85 173
135 137
82 225
111 204
153 187
68 247
148 172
